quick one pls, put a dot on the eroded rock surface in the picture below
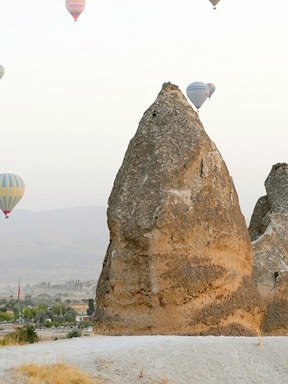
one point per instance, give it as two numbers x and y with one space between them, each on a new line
276 321
269 233
180 258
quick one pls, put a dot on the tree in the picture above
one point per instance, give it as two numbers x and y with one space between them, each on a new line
91 307
29 313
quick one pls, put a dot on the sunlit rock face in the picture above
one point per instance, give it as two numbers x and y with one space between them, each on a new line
180 258
269 233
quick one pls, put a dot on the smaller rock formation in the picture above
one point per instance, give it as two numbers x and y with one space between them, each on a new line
269 233
180 258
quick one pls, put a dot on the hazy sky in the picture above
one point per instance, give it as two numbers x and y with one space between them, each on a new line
73 93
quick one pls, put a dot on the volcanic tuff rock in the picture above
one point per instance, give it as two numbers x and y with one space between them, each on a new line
269 233
179 259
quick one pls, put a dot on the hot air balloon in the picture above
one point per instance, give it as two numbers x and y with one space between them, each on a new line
11 191
2 71
75 7
211 89
214 2
197 93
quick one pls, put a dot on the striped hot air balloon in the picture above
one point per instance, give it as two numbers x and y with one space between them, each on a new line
75 7
11 191
197 93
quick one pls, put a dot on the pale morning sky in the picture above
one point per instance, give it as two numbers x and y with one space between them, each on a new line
73 93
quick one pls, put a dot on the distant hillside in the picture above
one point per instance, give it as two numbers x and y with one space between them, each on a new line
55 245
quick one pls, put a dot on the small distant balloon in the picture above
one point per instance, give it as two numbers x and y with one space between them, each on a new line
75 7
211 89
197 93
11 191
214 3
2 71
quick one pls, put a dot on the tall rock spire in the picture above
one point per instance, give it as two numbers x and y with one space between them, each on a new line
269 233
179 259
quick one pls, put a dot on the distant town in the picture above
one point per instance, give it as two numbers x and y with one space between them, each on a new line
51 307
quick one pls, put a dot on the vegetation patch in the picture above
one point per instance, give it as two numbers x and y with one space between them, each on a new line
74 333
22 335
57 374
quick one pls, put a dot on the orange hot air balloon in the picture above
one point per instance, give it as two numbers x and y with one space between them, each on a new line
75 7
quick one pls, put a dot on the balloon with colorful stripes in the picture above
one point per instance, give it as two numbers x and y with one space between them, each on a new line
11 191
75 7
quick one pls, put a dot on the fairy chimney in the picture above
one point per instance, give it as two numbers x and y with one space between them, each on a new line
179 259
269 233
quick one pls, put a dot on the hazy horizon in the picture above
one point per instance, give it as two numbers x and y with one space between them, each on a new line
53 245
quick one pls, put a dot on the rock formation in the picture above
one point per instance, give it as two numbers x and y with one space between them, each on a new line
180 258
269 233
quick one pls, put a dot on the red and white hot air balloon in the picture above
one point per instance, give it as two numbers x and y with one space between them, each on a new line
75 7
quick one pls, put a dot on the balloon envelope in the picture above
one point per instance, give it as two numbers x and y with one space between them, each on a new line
197 93
214 2
211 89
2 71
11 191
75 7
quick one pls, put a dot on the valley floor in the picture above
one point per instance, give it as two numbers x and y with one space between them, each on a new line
160 359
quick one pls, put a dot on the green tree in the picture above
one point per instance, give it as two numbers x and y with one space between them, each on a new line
91 307
29 313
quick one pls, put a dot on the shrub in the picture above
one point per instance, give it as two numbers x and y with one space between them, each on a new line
6 316
48 324
22 335
73 333
85 324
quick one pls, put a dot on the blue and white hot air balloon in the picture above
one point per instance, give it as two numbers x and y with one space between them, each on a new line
197 93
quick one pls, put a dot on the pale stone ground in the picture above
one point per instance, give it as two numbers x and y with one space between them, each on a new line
161 359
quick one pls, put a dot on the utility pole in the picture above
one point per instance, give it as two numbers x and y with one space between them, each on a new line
19 299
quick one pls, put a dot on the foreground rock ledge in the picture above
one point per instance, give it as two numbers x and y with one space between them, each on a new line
179 259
